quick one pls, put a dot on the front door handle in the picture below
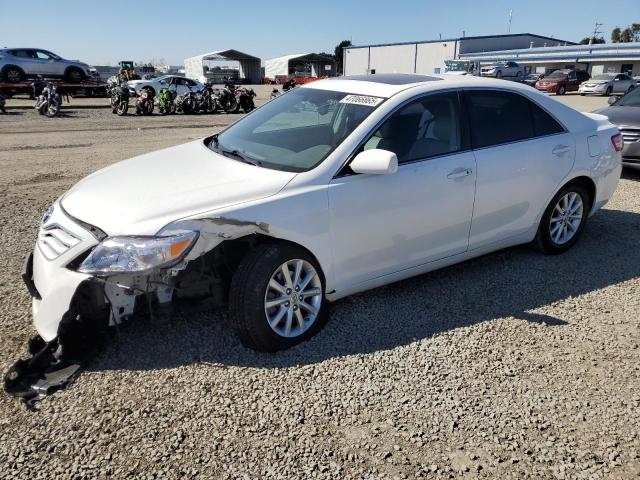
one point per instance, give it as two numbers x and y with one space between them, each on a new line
560 149
460 173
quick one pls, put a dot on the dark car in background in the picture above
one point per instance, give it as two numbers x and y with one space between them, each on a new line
562 81
532 78
624 113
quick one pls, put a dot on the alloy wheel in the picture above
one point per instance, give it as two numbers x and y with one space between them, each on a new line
13 75
293 298
566 218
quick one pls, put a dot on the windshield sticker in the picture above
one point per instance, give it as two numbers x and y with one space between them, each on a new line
362 100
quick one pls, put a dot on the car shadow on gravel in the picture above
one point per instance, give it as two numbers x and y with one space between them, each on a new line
510 283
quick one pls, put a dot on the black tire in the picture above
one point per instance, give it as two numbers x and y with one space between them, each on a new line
248 106
561 90
122 108
13 75
543 241
231 105
74 75
498 74
608 91
247 294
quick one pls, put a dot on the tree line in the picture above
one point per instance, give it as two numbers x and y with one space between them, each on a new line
618 35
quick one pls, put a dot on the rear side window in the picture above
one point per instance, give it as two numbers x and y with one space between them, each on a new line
504 117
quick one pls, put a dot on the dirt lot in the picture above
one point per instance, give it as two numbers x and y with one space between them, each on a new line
513 365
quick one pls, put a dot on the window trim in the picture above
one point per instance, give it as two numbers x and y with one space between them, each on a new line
499 90
465 135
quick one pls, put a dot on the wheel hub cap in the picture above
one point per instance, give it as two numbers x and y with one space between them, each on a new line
293 298
566 218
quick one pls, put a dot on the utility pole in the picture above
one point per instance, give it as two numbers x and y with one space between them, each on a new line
595 33
510 18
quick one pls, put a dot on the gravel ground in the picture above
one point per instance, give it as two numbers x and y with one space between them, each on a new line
513 365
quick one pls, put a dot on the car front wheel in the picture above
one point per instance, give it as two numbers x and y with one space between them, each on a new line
277 297
563 220
13 75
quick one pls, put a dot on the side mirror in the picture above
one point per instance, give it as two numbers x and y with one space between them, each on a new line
163 82
612 99
376 162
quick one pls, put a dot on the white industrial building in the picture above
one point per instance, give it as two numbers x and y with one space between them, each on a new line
249 71
428 57
314 64
595 59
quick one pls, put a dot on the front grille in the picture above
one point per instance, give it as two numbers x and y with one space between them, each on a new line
630 135
54 240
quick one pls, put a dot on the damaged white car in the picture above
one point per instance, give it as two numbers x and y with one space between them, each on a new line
336 187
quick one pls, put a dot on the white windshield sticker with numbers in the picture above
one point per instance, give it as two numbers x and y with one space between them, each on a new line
365 100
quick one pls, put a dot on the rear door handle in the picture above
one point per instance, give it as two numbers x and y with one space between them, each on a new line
460 173
560 149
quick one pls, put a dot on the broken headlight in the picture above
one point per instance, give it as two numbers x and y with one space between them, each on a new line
137 254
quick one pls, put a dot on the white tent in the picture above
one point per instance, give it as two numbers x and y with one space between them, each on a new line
321 65
249 65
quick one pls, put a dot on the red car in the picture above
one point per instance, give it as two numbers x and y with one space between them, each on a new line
562 81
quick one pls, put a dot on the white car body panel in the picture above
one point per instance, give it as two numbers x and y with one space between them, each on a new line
364 230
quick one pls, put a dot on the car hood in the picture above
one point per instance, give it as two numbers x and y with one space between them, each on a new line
629 116
597 82
141 195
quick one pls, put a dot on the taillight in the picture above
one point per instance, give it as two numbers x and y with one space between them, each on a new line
618 142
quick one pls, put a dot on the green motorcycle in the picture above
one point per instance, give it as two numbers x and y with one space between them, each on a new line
166 101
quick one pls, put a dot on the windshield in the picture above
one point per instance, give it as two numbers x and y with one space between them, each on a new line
631 99
602 77
557 74
295 131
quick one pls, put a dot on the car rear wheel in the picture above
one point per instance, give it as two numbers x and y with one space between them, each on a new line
74 75
13 75
498 74
608 91
277 297
561 90
563 220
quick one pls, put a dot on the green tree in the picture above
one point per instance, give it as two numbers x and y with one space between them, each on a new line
615 35
635 30
339 54
626 36
593 40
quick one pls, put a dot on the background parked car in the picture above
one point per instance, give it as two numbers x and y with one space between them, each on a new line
532 78
608 83
624 112
18 64
175 83
502 69
562 81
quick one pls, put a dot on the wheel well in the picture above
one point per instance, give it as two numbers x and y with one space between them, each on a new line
587 183
7 67
153 90
220 264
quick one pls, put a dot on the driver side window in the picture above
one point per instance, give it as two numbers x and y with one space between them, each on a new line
424 128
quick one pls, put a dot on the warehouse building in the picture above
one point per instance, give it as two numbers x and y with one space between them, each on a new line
595 59
200 67
428 57
301 64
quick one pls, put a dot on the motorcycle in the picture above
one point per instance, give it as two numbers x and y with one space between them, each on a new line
120 99
227 98
166 101
49 101
206 100
245 99
144 102
274 93
187 102
288 85
2 104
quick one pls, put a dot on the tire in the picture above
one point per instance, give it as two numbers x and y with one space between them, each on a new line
519 76
545 241
74 75
608 92
13 75
122 108
498 74
231 105
561 90
250 288
248 106
53 109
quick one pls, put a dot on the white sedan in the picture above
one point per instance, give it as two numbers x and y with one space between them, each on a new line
607 84
173 82
333 188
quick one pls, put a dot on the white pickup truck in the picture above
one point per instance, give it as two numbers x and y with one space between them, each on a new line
503 69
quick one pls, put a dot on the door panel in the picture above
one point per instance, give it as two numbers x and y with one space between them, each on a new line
514 183
386 223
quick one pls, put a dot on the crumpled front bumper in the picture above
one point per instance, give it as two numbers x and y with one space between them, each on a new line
51 284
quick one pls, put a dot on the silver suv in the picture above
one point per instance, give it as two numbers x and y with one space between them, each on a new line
18 64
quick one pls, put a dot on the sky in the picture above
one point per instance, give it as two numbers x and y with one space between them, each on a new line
105 32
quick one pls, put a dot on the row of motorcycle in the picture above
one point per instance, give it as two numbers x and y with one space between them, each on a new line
230 99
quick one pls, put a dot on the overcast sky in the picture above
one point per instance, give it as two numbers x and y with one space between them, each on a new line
104 32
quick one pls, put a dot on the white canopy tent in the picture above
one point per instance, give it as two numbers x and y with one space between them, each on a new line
321 65
249 65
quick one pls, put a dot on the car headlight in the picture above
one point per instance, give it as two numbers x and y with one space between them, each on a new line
137 254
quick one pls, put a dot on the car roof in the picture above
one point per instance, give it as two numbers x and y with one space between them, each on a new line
387 85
